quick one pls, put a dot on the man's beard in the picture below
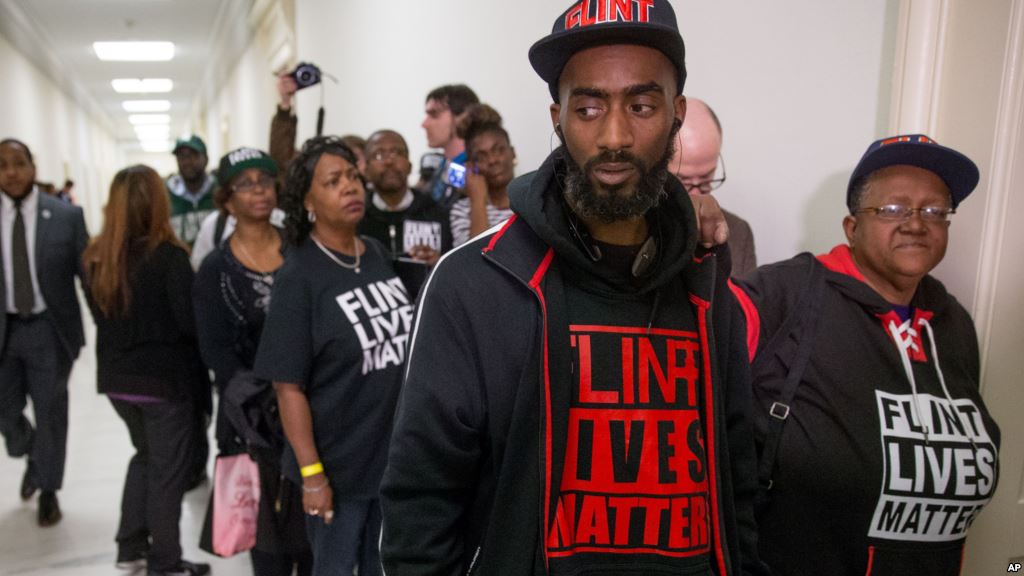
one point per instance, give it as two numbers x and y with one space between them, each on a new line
612 205
398 182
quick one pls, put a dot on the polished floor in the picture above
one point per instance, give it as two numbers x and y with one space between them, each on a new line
82 544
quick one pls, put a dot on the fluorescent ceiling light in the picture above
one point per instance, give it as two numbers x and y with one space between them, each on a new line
149 119
156 145
142 85
146 105
134 51
153 131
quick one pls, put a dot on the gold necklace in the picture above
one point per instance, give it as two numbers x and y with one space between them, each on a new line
355 248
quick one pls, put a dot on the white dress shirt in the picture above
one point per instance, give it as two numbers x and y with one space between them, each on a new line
29 213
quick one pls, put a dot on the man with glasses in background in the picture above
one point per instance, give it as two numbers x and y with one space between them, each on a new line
698 164
889 454
414 228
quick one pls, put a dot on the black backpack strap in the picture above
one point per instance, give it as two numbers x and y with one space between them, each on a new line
806 317
218 229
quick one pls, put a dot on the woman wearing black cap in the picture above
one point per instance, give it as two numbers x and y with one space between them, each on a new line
334 346
231 294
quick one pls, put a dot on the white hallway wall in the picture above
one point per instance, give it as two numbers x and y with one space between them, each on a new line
66 142
238 113
801 86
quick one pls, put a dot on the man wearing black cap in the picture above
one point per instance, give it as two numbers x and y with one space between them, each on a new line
577 393
191 189
877 450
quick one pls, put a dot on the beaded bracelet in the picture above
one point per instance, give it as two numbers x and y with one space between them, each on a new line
315 489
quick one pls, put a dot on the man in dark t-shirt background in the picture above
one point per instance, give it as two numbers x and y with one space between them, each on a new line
406 222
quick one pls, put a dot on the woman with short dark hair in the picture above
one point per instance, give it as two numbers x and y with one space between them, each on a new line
334 347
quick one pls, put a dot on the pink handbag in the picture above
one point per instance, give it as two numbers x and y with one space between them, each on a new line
236 498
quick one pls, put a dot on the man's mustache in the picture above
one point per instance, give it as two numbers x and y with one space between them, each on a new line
614 156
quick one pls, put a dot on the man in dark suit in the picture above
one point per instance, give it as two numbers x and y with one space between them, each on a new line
41 332
697 162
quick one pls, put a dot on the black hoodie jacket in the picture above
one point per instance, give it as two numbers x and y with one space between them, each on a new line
474 462
885 457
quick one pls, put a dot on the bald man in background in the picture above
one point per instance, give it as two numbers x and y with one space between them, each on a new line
695 164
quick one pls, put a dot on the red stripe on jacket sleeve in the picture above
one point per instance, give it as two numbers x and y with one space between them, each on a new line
752 316
535 281
499 234
703 310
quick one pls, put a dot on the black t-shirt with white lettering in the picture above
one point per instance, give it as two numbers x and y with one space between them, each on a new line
342 336
423 223
634 496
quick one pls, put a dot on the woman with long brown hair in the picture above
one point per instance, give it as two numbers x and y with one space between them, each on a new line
140 283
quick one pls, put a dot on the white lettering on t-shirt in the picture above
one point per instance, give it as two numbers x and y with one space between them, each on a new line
381 316
939 467
420 233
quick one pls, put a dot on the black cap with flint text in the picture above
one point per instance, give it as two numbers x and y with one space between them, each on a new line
590 23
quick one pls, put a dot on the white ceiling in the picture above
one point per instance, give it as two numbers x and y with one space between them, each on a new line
57 35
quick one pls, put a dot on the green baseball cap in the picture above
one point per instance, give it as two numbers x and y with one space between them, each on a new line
235 162
194 142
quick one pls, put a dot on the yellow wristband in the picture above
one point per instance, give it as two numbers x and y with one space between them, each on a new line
312 469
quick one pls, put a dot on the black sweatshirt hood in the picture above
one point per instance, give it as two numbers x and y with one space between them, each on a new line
538 198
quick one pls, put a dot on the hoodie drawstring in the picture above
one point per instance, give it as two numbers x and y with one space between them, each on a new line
942 381
654 310
904 336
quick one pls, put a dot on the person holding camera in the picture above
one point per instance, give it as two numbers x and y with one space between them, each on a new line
284 124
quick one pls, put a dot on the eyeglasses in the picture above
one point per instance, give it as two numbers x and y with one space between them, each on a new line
708 185
901 213
247 186
388 154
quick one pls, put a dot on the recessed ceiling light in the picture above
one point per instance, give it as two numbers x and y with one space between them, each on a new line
156 145
134 51
142 85
146 105
147 119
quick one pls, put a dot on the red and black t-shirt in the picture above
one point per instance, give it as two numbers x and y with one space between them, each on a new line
633 493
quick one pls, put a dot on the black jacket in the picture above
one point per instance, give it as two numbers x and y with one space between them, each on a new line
60 239
864 482
152 349
469 480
